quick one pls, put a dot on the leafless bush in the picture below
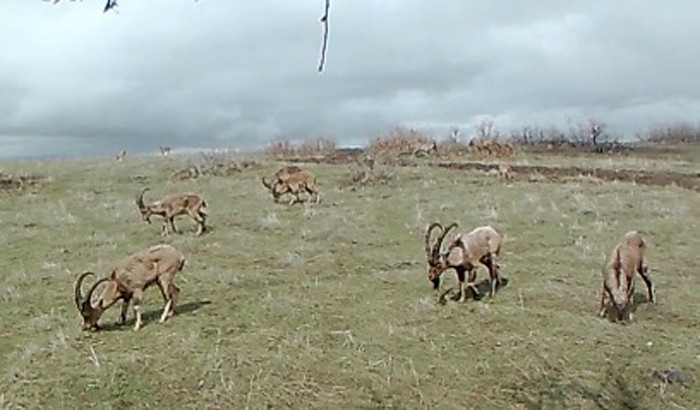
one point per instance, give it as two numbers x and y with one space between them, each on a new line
317 147
486 141
19 183
672 133
587 136
401 142
213 164
282 148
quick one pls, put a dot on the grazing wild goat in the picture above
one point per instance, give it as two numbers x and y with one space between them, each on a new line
173 205
506 172
619 271
294 180
425 149
128 280
481 245
120 156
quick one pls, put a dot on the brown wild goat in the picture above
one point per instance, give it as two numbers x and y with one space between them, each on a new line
481 245
127 281
294 180
425 149
619 271
506 172
173 205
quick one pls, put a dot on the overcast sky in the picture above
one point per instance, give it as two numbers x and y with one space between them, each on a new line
239 73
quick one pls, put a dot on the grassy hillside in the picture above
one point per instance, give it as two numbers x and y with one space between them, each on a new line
328 305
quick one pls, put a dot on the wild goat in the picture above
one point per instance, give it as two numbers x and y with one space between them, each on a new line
120 156
625 260
424 149
506 172
127 281
481 245
164 150
173 205
294 180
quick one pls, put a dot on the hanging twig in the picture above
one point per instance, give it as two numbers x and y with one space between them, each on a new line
324 20
112 4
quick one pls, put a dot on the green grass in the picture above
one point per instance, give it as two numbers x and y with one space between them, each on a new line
328 305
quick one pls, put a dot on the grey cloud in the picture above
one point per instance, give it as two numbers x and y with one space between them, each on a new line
238 74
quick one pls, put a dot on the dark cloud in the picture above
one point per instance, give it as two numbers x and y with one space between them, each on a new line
238 74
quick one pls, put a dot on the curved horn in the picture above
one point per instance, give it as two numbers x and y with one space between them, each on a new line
139 199
438 244
87 306
427 238
78 284
266 184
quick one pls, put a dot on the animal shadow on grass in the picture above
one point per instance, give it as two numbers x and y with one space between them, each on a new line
482 287
613 315
153 315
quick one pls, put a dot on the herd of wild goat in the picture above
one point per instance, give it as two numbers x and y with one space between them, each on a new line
159 264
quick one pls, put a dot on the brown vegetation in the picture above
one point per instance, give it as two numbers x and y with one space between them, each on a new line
219 164
401 142
671 134
282 148
19 183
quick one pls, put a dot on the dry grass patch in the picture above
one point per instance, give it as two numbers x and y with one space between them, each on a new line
329 306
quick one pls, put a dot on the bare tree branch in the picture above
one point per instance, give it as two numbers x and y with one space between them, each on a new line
324 20
112 4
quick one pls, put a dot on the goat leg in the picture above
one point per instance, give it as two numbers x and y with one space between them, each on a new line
137 296
460 270
603 302
644 273
125 308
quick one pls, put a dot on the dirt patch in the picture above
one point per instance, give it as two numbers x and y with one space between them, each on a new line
659 178
643 177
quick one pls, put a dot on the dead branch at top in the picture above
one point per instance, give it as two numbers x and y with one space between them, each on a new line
324 20
112 4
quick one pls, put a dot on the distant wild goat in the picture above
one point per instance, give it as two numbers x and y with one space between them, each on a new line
619 271
128 280
424 149
481 245
506 172
120 156
294 180
173 205
164 150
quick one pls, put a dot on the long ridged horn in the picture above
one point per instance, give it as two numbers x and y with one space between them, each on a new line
438 244
139 199
78 285
87 306
429 231
266 184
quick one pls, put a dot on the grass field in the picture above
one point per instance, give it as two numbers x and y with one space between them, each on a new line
328 305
